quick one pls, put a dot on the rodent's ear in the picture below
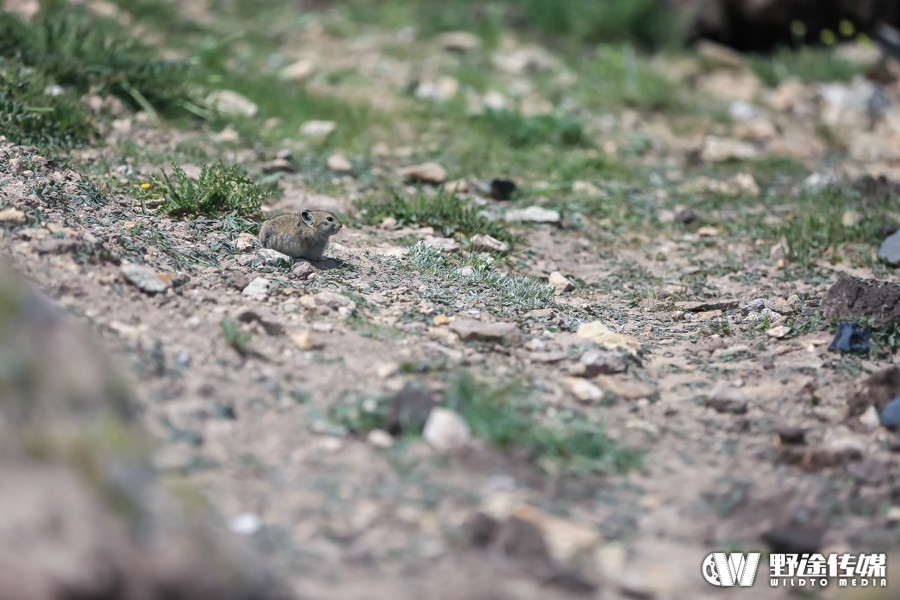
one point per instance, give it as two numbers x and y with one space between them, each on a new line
306 216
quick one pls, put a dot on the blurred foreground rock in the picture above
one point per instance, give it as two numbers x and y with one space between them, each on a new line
82 514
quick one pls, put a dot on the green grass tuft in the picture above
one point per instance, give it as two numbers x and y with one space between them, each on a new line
362 414
73 47
646 22
484 282
617 75
220 191
498 415
239 340
808 64
443 211
519 131
814 229
31 117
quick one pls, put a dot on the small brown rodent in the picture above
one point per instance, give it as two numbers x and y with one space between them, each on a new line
300 236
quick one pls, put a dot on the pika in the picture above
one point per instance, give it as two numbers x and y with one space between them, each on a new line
300 236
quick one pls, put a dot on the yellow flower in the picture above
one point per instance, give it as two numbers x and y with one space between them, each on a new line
145 185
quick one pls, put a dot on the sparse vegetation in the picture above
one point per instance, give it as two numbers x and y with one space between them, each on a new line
886 339
183 258
483 281
807 64
281 383
834 224
500 415
503 416
239 340
444 211
522 132
220 190
620 74
645 22
71 47
292 104
29 115
362 414
721 327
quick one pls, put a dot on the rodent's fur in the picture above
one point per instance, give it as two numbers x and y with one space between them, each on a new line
304 235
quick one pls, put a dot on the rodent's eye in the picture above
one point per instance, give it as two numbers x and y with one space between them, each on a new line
330 219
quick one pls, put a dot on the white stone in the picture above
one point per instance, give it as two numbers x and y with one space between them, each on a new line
533 214
870 418
741 110
245 524
144 278
600 334
486 243
445 430
441 243
494 100
298 71
243 242
716 149
440 90
12 215
274 258
430 172
582 389
339 163
380 438
560 282
304 340
317 129
229 102
258 288
778 332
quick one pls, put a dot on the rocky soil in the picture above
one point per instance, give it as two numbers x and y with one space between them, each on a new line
680 331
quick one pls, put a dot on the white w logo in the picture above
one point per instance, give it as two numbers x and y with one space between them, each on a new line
727 569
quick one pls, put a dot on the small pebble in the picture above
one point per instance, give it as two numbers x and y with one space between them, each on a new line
245 524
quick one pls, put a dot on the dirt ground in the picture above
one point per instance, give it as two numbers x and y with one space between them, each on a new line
707 390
